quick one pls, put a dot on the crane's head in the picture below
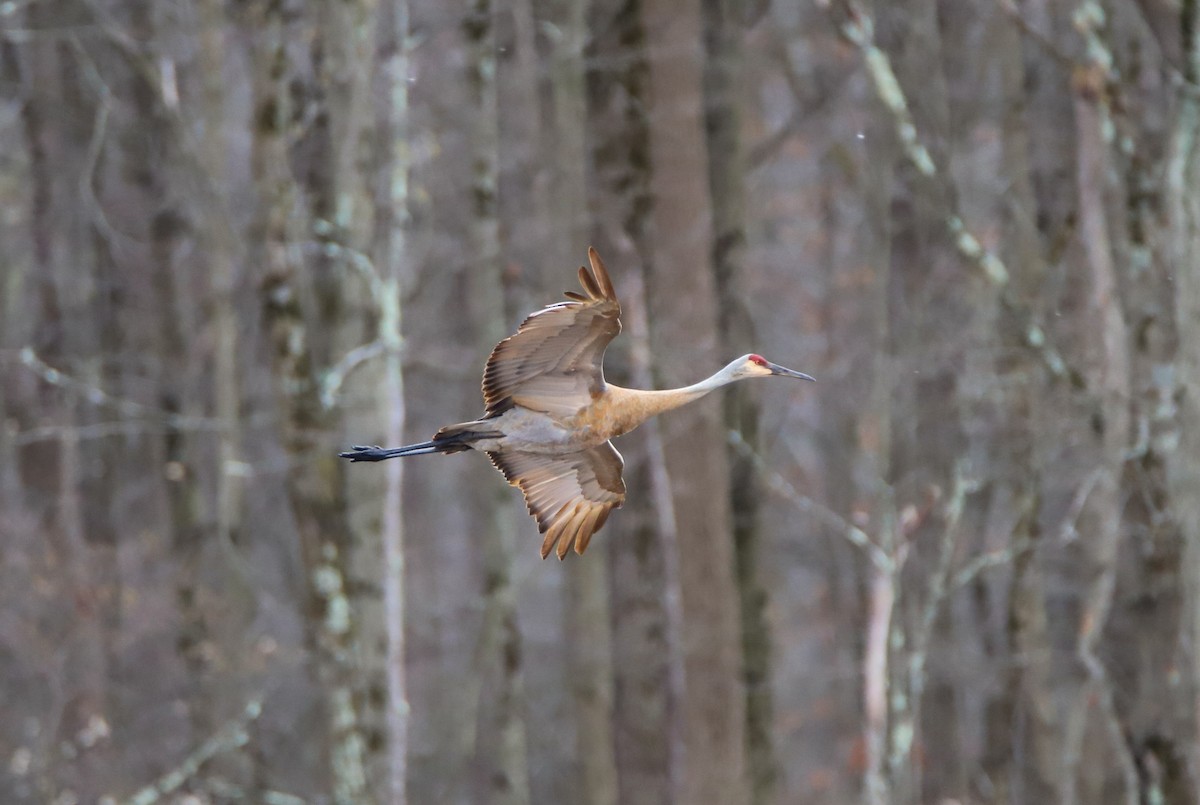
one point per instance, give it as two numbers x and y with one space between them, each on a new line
758 366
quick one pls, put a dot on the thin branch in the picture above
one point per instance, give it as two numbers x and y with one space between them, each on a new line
146 67
358 260
805 108
940 585
97 396
1010 10
1103 695
361 262
1002 556
386 294
21 36
859 29
222 790
231 737
880 612
855 535
88 391
1067 531
332 380
1097 690
884 635
1176 74
95 148
124 427
906 716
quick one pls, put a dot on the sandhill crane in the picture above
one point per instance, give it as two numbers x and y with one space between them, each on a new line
550 414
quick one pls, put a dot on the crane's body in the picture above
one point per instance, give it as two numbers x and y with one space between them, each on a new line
550 414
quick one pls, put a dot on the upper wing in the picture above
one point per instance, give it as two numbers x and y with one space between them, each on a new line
554 361
569 495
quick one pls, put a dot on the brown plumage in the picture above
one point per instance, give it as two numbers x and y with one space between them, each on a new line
554 362
549 414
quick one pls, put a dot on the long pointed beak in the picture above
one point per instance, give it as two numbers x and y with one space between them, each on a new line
776 369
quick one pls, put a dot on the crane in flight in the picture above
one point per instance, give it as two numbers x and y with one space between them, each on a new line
549 414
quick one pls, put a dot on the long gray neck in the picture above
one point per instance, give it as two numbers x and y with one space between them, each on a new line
721 378
641 404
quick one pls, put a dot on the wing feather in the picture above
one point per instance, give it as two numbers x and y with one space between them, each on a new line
554 362
587 528
589 284
569 495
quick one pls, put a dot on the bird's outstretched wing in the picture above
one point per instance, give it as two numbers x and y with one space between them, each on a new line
569 495
553 363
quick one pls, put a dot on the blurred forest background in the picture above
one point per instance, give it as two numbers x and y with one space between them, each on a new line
241 235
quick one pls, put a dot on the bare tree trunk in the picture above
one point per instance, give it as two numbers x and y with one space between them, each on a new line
1183 466
314 477
682 326
390 250
343 195
194 517
872 473
926 432
587 593
1016 720
507 776
643 654
540 241
220 244
1101 516
723 91
76 288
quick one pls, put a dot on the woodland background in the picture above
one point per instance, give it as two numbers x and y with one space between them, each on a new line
241 235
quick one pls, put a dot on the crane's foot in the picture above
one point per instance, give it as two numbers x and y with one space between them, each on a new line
363 453
377 453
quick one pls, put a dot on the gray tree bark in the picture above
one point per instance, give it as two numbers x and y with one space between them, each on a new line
712 707
500 717
391 257
1183 470
588 609
641 650
302 350
723 93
